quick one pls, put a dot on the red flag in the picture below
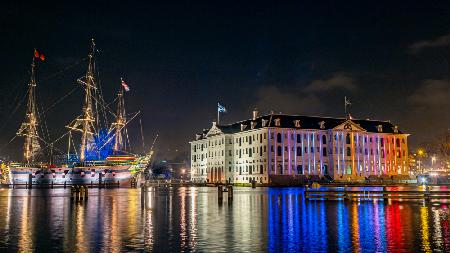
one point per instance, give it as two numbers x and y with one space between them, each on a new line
42 57
125 86
36 53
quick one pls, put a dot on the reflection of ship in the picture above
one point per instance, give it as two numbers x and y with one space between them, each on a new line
102 156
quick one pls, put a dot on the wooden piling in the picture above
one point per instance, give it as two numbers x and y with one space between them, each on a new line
30 181
86 192
220 192
385 195
230 192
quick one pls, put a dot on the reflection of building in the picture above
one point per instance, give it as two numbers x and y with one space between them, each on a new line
280 146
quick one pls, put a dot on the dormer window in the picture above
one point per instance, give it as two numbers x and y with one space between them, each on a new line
380 128
396 129
264 122
322 124
297 123
243 126
277 122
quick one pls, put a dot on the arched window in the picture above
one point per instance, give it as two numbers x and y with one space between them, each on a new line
280 169
279 150
279 137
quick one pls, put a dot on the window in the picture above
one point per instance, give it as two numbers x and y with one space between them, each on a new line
324 139
250 140
347 139
299 169
324 151
261 169
279 150
260 138
299 151
349 152
306 150
250 152
279 138
397 142
382 142
271 149
312 149
298 138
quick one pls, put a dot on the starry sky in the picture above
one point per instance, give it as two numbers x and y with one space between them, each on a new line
391 58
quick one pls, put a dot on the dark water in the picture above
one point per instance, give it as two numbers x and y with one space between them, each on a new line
191 219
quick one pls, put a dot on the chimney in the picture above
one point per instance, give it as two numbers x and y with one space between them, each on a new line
255 113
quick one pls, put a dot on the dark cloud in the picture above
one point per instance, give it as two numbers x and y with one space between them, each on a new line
437 42
336 81
429 108
303 100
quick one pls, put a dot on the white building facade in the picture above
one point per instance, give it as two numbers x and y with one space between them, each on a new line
282 148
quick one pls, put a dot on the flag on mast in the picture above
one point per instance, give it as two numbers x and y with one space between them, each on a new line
221 108
347 101
124 85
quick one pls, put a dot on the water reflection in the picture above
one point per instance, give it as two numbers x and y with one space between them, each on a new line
191 219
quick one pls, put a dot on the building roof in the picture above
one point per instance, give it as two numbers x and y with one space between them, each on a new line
307 122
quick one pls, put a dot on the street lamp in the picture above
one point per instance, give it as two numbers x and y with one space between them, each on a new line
421 153
433 161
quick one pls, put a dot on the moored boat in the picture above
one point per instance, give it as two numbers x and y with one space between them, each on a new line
102 156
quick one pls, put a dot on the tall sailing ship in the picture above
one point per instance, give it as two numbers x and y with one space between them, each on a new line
101 157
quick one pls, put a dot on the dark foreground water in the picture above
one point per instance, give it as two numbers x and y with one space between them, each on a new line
191 219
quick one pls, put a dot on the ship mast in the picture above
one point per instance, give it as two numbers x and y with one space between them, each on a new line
85 123
120 121
28 129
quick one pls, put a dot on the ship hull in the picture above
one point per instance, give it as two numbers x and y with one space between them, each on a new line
117 174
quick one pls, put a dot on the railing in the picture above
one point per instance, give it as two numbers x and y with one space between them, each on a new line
382 194
64 185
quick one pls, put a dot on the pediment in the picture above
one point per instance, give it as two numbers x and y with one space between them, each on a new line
349 125
214 131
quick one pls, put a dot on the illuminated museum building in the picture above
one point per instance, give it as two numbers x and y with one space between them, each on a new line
281 146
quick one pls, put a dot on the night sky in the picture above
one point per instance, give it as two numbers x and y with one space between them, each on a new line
181 58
